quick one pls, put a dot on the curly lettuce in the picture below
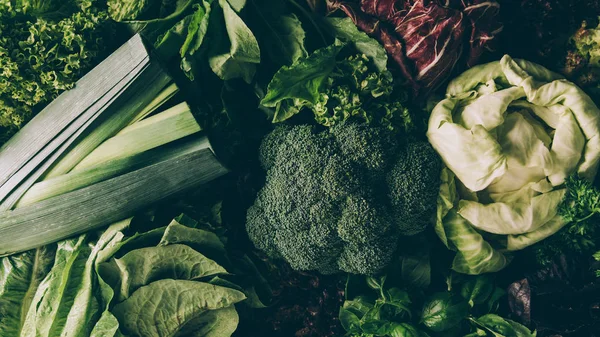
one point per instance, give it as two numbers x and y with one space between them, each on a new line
45 47
510 133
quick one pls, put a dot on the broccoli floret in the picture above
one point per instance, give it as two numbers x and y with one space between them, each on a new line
414 186
326 204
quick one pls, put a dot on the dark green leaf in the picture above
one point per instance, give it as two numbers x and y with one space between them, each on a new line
378 327
501 327
405 330
443 311
493 301
279 34
360 306
416 268
478 289
349 321
303 79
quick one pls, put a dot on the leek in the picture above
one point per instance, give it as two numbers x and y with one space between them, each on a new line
128 114
106 202
122 153
99 153
170 125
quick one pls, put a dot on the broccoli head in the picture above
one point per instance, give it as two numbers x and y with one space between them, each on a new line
338 199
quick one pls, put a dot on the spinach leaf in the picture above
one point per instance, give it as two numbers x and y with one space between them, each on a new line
443 311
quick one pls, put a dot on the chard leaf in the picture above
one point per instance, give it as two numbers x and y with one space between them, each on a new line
345 30
162 307
20 276
236 53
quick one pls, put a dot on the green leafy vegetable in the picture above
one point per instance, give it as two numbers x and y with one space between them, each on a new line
443 311
183 302
279 33
511 132
501 327
42 56
301 81
345 30
580 210
338 90
125 284
238 58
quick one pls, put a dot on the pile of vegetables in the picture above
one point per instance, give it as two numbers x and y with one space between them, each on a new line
360 168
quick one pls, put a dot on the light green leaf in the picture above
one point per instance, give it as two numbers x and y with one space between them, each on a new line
214 323
205 242
237 5
475 255
512 218
142 266
521 241
162 307
121 10
347 31
238 58
484 161
501 327
20 276
49 311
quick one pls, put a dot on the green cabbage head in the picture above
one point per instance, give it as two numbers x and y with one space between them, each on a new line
509 133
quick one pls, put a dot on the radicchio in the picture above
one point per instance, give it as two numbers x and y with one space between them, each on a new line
427 38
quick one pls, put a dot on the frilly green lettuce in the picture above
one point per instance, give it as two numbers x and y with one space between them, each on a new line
510 132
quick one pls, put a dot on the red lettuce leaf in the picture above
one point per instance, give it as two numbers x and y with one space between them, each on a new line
427 39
